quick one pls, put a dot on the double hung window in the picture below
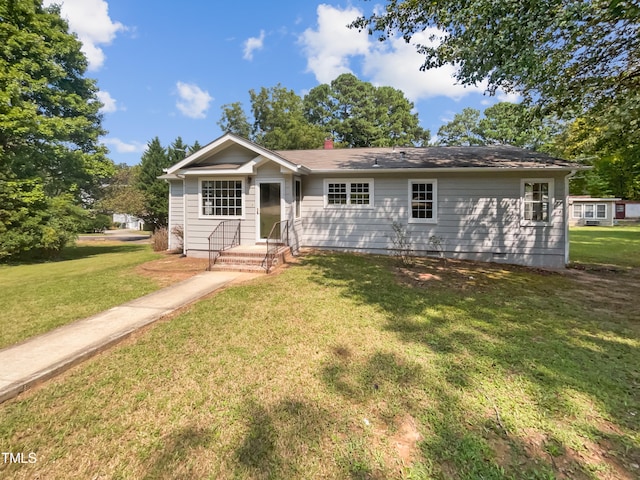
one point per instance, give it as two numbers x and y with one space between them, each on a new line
537 197
422 201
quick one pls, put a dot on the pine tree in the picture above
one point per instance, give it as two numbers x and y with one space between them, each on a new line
156 192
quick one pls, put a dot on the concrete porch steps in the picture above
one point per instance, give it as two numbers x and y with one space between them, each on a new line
250 259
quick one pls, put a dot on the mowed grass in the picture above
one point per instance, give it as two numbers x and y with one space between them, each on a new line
606 245
87 279
347 366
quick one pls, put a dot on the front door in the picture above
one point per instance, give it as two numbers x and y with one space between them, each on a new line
270 210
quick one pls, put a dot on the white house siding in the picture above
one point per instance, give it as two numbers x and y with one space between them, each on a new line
199 228
478 218
176 212
234 154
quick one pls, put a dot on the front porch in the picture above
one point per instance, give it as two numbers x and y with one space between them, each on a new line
252 258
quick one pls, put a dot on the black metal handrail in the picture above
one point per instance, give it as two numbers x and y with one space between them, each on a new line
273 242
226 235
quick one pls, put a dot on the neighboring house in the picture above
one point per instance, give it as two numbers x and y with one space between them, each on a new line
588 211
627 210
498 203
128 221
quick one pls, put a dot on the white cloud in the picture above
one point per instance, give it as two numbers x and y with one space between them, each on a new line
90 20
252 44
397 63
330 47
123 147
194 102
108 102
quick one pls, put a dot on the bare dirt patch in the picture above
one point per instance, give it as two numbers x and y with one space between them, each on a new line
172 268
406 438
403 437
458 274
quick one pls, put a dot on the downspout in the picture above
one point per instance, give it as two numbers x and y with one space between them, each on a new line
566 215
169 216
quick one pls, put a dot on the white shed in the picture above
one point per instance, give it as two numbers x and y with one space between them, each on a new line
589 211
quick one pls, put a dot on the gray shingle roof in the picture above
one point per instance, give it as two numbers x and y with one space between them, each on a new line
423 157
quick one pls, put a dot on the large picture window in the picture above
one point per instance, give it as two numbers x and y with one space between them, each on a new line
221 198
536 201
422 201
356 193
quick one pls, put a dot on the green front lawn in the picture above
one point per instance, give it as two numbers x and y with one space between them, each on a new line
88 279
606 245
346 366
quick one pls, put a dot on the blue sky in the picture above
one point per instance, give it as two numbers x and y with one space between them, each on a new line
165 70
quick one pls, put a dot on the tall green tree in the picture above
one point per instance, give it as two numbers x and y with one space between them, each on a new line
462 130
155 191
615 166
234 120
358 114
49 112
503 124
177 151
279 121
195 147
506 123
50 158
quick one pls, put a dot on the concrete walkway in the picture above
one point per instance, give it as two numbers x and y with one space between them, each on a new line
25 364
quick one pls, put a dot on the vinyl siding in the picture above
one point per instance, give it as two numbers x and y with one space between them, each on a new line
478 217
176 212
234 154
199 228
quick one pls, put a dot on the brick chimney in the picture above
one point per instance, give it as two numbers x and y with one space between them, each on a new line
328 143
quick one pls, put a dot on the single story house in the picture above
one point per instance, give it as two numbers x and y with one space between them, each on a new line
492 203
590 211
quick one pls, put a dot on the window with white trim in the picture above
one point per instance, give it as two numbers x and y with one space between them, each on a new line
355 193
577 210
589 210
221 198
537 195
422 201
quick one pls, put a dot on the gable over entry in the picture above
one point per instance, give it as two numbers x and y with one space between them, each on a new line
487 203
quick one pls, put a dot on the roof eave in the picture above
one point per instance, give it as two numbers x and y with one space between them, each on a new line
448 169
230 137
